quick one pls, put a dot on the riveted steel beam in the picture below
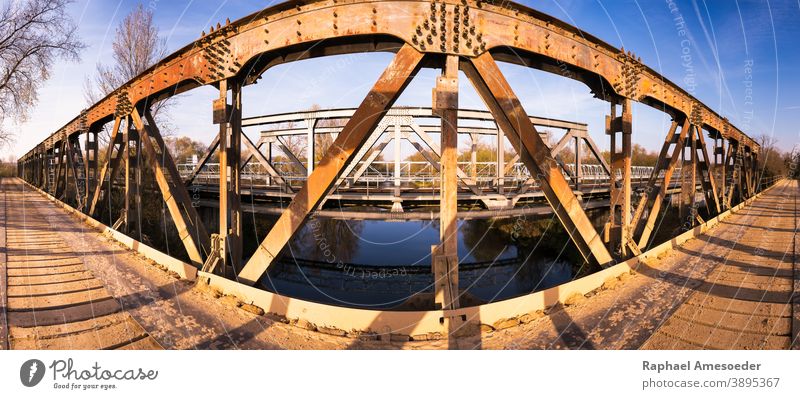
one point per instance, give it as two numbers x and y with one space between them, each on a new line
372 109
679 140
445 258
286 32
112 162
190 229
495 91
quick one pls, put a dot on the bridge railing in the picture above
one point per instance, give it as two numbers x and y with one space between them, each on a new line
385 174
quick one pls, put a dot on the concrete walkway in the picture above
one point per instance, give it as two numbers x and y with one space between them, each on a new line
50 299
729 288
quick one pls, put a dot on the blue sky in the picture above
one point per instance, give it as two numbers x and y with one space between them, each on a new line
724 38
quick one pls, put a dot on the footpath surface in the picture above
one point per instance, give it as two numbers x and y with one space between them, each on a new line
71 287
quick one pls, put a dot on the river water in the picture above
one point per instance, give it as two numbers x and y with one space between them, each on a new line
387 264
383 264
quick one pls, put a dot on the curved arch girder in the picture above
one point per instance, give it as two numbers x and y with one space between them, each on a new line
465 28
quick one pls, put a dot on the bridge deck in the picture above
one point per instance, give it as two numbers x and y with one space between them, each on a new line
729 288
70 287
746 300
51 301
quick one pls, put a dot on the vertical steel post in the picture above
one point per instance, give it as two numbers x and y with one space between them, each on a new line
127 159
269 158
235 190
133 201
619 231
721 160
398 137
137 176
445 257
501 159
310 148
578 172
90 163
473 157
229 117
693 177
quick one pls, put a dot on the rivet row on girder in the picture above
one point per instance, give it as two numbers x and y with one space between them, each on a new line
218 56
627 83
83 121
124 106
433 30
696 117
336 22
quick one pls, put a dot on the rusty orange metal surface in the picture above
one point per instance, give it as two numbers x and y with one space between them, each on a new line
307 29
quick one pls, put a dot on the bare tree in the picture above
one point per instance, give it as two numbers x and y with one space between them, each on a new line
137 46
771 160
33 35
322 142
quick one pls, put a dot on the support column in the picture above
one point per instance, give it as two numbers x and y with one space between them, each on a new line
578 172
90 162
735 189
67 167
310 148
754 173
228 116
126 164
138 184
684 177
445 256
58 157
618 231
501 160
269 159
473 157
132 212
692 195
397 205
721 160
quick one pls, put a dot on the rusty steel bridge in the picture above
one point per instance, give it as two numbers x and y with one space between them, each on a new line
488 188
449 36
